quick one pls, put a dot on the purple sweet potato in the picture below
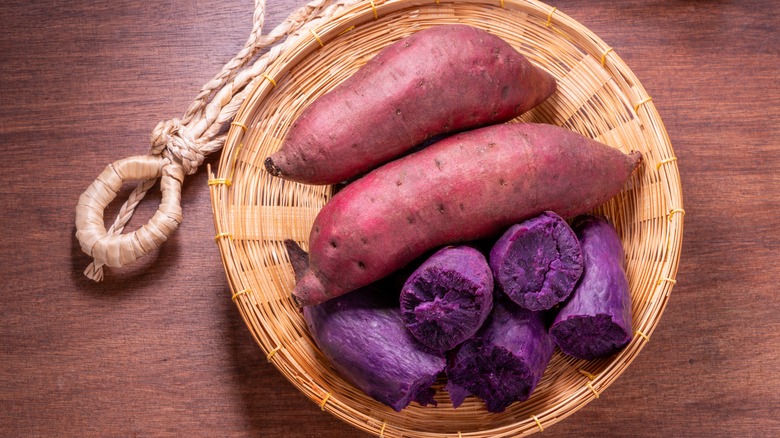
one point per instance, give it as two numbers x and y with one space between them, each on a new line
446 300
537 263
506 359
469 186
438 80
363 336
596 321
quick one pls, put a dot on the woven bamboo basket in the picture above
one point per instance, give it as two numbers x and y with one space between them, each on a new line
598 96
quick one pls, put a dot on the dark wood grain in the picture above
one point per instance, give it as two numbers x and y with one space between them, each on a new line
159 349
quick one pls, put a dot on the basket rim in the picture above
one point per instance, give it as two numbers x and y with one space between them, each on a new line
308 42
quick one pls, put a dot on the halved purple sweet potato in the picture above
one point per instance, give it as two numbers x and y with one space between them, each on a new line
446 300
537 262
504 362
363 336
596 321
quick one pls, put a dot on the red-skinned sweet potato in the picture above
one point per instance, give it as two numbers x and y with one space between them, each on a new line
438 80
466 187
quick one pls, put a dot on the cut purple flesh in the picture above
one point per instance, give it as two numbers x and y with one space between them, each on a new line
446 300
363 336
596 321
457 394
504 362
537 263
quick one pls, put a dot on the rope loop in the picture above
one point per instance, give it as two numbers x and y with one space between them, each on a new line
110 247
179 146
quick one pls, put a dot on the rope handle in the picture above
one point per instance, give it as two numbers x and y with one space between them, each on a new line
179 146
111 247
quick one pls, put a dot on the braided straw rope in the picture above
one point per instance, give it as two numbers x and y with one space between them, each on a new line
598 96
179 146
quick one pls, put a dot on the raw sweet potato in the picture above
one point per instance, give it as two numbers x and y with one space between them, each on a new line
504 362
465 187
438 80
596 321
364 338
537 262
446 300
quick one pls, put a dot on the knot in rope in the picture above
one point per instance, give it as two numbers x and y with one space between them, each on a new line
174 141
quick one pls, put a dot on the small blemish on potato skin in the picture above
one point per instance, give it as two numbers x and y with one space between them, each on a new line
333 244
363 240
502 182
410 219
398 183
361 265
461 207
438 163
440 207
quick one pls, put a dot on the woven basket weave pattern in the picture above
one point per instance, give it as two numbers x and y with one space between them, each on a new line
598 96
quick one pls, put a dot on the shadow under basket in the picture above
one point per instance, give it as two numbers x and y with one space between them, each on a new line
254 212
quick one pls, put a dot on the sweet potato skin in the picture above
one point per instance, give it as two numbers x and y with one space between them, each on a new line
438 80
596 320
466 187
363 336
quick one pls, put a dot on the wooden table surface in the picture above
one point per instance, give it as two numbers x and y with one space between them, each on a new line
159 349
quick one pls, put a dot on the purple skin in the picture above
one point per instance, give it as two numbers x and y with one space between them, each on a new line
537 263
596 321
363 336
504 362
446 300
